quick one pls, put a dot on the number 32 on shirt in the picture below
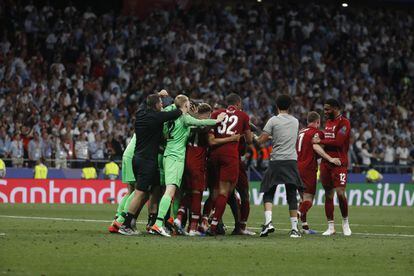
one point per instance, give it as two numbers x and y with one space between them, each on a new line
227 125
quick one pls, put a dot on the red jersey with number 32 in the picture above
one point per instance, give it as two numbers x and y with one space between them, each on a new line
235 122
307 157
336 139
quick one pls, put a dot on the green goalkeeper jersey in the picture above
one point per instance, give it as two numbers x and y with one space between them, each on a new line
177 133
129 151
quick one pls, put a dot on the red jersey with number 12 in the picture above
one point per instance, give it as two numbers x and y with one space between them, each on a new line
236 122
336 141
307 157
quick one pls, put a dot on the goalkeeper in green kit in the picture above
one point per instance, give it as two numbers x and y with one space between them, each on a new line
176 133
127 178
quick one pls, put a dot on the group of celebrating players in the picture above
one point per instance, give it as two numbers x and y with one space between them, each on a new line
178 152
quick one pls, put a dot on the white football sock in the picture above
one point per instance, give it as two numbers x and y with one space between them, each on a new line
294 223
331 224
268 216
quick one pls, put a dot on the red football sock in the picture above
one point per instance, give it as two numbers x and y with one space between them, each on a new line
195 210
343 205
329 208
304 208
220 206
184 204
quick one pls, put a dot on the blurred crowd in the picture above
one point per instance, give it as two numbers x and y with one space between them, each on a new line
71 79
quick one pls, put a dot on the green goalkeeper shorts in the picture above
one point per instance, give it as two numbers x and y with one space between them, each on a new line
174 169
127 172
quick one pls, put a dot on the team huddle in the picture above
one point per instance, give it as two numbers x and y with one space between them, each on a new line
180 151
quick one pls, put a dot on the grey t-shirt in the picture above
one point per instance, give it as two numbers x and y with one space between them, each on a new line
284 130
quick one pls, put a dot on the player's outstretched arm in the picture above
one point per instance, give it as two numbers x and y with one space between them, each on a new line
191 121
165 116
319 150
213 141
263 138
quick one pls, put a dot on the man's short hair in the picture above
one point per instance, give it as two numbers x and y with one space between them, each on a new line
152 100
180 100
204 108
283 102
313 117
334 103
233 99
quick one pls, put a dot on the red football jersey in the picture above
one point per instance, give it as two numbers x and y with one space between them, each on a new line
236 122
196 152
307 157
336 141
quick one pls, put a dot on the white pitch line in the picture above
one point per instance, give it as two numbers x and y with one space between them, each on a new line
144 222
59 219
278 223
360 225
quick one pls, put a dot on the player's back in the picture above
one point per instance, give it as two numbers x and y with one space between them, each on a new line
307 158
235 122
197 146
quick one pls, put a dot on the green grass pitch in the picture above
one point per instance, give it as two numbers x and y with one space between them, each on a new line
33 243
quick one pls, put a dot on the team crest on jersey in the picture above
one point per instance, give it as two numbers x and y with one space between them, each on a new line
343 130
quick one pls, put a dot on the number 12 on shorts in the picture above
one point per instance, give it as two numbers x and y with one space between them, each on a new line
342 178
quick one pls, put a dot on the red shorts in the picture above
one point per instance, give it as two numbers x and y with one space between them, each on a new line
195 177
309 179
333 176
243 181
225 168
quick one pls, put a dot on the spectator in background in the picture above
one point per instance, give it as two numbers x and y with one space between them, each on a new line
366 155
2 168
373 175
34 149
40 170
89 171
64 151
5 142
389 157
352 154
111 170
47 147
81 149
97 148
403 153
17 151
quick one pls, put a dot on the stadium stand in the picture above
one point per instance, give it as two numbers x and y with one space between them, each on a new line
75 77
